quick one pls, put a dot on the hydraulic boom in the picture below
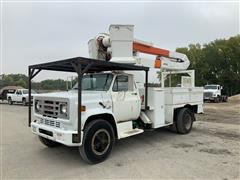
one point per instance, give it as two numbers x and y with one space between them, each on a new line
120 46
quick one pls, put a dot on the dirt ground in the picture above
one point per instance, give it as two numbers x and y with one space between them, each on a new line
210 151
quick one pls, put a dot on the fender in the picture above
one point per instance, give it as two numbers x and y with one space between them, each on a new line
100 113
96 111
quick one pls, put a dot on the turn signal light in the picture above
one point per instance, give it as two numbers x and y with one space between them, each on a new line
83 108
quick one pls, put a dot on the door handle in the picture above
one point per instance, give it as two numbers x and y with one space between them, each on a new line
100 103
134 93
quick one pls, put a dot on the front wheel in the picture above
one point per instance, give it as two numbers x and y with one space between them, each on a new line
10 101
217 99
24 102
185 118
98 141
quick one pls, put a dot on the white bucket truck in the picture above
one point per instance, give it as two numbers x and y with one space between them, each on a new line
114 98
214 93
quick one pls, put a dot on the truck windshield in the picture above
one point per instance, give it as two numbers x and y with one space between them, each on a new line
96 82
210 87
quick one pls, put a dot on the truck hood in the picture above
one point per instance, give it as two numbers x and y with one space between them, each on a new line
73 94
63 94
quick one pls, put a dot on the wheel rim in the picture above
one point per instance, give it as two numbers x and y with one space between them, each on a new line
187 121
100 141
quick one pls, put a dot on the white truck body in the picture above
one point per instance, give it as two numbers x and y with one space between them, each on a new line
113 103
123 106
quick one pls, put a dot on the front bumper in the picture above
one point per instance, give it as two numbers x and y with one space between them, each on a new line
209 98
59 135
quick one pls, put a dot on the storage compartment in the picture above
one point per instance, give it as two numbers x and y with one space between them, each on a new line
163 101
157 110
180 95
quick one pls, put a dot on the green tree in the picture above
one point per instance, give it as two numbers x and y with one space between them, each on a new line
216 62
21 82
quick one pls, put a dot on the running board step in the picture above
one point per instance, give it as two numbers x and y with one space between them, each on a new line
131 133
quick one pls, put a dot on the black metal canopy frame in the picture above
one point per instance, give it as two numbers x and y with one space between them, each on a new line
81 65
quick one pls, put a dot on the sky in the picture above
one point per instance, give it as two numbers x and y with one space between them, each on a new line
37 32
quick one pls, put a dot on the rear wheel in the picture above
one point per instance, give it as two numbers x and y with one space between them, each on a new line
185 118
98 141
10 101
225 98
48 142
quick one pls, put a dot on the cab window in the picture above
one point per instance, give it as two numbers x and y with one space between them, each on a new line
19 92
96 82
121 83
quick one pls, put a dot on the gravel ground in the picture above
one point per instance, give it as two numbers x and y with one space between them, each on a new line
210 151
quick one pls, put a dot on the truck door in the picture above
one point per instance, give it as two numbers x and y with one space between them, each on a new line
219 90
125 97
18 96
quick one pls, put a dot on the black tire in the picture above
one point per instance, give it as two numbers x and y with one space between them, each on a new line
95 148
216 100
185 118
10 101
220 99
225 98
48 142
24 102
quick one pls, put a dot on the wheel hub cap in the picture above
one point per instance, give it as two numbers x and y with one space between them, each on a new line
100 141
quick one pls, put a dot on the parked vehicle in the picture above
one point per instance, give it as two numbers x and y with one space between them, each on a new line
113 99
214 93
19 96
7 90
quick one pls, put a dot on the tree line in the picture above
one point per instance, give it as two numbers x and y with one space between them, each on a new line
217 62
22 80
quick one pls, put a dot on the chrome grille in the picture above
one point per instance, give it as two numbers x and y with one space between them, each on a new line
51 108
50 123
208 94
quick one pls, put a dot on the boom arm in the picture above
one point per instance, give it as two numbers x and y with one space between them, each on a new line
119 46
165 59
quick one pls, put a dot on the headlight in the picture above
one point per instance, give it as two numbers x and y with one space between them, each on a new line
63 108
37 105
